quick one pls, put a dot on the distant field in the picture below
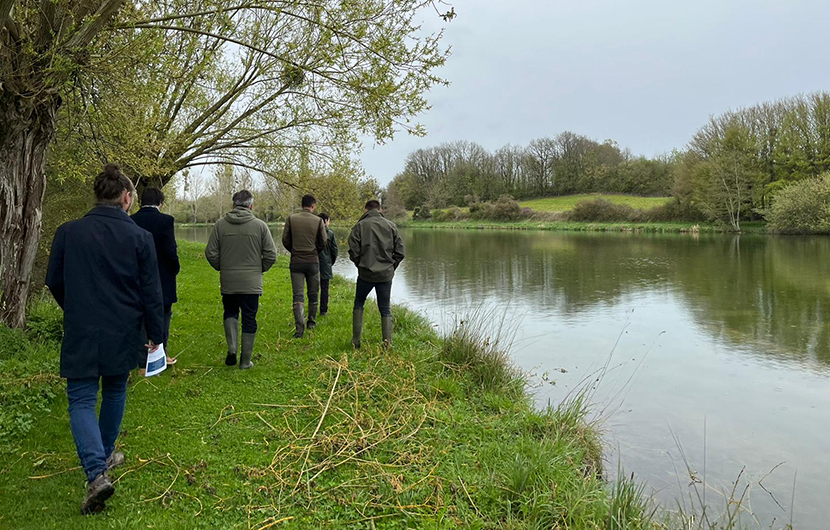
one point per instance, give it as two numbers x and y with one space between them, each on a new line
567 202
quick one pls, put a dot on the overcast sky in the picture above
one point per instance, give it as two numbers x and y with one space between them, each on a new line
646 73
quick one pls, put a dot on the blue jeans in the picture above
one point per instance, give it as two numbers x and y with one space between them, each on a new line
95 437
383 290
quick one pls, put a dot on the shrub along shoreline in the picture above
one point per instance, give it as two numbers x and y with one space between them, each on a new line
437 433
585 226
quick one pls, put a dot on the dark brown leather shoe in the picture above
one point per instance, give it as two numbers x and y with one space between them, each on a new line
97 493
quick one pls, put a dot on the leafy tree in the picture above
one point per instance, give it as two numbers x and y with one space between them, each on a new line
724 181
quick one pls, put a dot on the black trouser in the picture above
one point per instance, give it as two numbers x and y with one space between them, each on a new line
324 295
142 357
249 303
302 275
383 290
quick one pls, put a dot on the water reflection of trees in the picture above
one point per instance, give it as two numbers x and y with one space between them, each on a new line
768 292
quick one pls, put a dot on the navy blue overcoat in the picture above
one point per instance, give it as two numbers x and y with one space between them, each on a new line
164 236
104 274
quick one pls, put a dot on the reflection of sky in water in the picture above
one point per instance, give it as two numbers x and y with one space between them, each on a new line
717 331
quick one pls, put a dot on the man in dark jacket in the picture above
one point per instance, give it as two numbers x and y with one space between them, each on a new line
103 273
150 218
328 256
304 236
376 249
242 250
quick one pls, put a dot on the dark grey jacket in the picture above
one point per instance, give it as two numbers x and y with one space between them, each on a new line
375 247
328 256
241 249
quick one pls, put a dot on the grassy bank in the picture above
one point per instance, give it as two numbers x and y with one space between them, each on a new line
565 203
666 227
436 434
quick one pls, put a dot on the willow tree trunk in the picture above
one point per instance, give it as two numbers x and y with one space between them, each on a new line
27 128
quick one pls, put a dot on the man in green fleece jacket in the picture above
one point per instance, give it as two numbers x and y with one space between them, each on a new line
376 249
241 249
304 236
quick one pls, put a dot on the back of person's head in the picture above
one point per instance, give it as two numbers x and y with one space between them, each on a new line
309 201
152 197
324 216
243 198
110 184
372 204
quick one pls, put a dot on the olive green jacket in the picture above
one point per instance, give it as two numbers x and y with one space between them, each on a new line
375 247
241 249
304 236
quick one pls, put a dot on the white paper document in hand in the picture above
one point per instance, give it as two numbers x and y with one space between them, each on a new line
156 361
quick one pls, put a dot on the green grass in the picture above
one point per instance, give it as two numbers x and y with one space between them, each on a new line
566 203
316 435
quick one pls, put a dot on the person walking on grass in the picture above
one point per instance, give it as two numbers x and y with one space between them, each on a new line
242 250
376 249
103 273
160 225
304 236
328 256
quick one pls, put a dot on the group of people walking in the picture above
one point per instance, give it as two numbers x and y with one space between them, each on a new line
114 276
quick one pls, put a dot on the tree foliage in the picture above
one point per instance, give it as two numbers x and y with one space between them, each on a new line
163 87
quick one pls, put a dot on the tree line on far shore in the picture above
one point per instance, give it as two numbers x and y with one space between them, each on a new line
730 171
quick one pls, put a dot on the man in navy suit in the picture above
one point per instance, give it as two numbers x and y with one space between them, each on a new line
103 273
150 218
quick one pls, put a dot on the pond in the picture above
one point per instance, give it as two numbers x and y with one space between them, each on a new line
713 351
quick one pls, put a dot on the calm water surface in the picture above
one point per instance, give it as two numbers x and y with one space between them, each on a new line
724 347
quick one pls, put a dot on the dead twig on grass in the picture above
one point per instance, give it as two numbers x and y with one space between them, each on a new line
319 423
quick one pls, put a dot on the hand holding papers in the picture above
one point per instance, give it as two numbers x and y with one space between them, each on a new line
156 361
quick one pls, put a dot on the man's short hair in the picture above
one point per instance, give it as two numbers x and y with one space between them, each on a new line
243 198
152 197
373 205
110 184
324 216
309 201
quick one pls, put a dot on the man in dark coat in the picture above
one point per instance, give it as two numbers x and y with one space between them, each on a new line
376 249
150 218
103 273
328 256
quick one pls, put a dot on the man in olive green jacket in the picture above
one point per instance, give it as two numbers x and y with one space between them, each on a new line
304 236
376 249
241 249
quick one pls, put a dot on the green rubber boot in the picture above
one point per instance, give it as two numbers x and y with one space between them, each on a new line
357 327
299 320
232 338
247 351
386 331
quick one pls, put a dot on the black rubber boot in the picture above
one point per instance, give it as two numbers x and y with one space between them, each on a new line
247 351
232 338
299 321
386 331
357 327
